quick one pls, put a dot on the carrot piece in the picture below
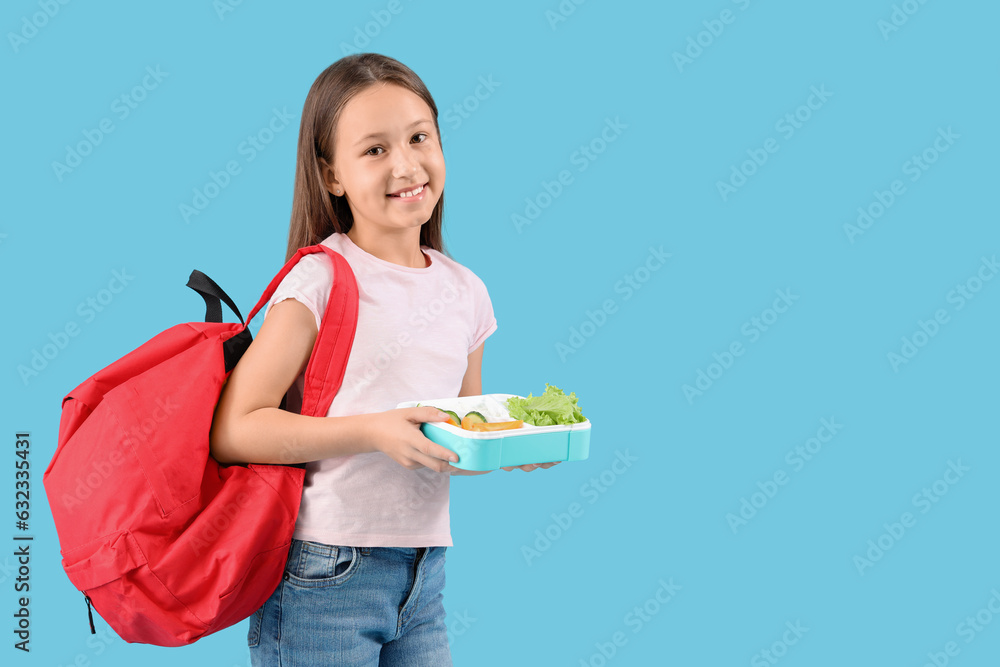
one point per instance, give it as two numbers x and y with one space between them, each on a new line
498 426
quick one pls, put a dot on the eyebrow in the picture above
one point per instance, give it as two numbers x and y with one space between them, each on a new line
376 135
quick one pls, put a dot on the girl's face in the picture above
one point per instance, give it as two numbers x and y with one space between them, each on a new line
385 145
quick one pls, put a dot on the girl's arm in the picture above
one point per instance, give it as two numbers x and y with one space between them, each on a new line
472 383
250 427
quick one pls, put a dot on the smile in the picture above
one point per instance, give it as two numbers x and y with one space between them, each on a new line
409 193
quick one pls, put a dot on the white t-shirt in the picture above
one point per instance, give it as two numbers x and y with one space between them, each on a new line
416 329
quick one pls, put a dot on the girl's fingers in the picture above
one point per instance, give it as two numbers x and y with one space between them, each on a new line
435 464
528 467
434 456
444 454
432 450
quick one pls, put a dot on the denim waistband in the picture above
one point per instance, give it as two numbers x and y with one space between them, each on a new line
327 549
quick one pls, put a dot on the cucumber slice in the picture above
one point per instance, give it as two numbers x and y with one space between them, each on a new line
475 417
454 415
472 418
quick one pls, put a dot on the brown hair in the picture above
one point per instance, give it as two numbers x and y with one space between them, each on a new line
316 213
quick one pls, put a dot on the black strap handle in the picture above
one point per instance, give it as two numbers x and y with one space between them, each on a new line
212 294
233 348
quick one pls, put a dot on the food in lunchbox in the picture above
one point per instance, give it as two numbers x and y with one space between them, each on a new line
453 417
497 426
471 418
550 409
475 421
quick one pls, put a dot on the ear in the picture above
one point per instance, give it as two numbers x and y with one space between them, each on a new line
330 182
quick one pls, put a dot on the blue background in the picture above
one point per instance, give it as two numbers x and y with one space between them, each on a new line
687 125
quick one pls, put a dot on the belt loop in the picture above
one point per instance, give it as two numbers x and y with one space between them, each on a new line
294 555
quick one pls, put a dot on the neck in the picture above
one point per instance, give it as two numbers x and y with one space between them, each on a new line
400 247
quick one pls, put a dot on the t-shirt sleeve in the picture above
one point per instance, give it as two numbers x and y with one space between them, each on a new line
309 282
485 321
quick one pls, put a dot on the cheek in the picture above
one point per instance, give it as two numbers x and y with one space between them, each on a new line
438 164
371 186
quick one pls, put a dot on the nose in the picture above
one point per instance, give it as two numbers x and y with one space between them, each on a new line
405 163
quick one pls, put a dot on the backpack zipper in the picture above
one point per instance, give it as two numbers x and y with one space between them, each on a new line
90 614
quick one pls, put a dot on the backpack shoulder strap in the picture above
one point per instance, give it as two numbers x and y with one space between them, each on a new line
328 361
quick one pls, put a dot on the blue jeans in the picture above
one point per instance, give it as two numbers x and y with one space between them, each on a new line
341 605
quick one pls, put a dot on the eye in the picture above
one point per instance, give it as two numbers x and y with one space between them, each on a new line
379 148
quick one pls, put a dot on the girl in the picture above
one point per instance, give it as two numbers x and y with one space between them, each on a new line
363 581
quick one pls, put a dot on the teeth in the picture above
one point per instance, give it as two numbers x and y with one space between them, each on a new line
410 193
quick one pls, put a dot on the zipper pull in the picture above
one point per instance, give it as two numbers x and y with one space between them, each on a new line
90 614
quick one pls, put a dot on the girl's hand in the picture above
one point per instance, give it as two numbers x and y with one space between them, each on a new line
531 466
396 433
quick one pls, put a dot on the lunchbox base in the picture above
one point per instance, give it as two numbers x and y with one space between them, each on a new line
494 453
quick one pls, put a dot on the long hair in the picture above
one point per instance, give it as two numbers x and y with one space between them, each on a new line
316 213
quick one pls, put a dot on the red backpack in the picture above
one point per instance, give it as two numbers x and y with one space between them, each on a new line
167 544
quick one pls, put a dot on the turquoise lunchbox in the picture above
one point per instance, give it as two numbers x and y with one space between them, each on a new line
491 450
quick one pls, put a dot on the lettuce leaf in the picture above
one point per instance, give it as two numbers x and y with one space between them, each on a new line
552 408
